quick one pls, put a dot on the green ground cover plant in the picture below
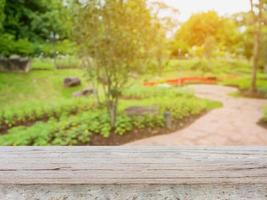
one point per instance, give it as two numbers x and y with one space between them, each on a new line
78 129
39 111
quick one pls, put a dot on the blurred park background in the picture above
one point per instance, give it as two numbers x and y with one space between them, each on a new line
110 72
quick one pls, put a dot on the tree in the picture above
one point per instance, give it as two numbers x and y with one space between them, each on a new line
2 6
205 29
161 27
257 9
29 26
114 38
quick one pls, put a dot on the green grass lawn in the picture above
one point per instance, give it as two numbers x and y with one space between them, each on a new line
36 86
212 67
244 83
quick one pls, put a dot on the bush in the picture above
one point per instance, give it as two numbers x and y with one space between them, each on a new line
214 65
24 47
9 46
47 49
67 62
61 62
6 44
265 114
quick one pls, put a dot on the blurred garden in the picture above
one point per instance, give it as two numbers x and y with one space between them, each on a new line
112 72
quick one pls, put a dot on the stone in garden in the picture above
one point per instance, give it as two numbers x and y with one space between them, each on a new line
85 92
72 82
15 63
3 63
141 110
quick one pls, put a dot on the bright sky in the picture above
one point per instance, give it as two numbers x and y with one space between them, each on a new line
223 7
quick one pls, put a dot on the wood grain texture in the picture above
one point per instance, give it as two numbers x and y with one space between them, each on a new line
132 165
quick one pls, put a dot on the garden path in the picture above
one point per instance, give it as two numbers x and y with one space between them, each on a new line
233 124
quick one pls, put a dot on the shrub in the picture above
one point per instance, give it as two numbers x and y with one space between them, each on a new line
65 62
265 114
24 47
9 46
60 62
217 67
6 44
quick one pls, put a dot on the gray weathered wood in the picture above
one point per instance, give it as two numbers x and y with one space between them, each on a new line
130 165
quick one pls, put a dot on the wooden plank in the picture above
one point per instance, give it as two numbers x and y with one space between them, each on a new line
130 165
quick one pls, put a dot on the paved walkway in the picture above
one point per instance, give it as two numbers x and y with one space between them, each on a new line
234 124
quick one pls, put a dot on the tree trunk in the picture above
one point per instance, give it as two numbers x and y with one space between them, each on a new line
255 59
257 38
159 66
96 94
112 108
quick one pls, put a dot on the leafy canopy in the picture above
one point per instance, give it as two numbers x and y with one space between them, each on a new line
204 28
27 26
114 36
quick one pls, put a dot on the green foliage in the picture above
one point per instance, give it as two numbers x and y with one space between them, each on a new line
9 46
265 114
207 31
244 83
6 44
25 47
65 47
212 67
136 92
78 129
35 111
60 62
64 62
35 27
2 15
114 39
35 19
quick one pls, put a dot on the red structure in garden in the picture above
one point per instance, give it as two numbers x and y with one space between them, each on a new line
184 81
